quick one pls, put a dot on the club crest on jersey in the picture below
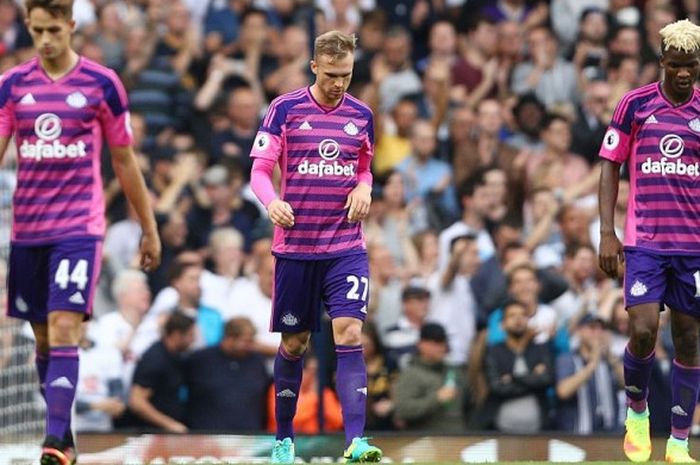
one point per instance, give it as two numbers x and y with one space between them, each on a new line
289 320
694 124
350 129
77 100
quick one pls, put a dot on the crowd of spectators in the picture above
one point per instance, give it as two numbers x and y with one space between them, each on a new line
487 309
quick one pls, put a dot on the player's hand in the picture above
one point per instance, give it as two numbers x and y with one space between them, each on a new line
112 406
358 202
281 213
150 251
175 427
610 255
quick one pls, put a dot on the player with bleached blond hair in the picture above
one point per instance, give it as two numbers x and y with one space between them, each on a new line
656 130
322 138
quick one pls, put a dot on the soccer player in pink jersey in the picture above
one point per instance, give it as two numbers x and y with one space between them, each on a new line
59 106
656 130
322 139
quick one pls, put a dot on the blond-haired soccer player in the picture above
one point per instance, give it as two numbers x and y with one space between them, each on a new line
656 130
322 138
59 106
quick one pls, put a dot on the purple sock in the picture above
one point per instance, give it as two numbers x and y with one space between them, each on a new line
351 384
42 364
61 380
637 374
287 374
684 385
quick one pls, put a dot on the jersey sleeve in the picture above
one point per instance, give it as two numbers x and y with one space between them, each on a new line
7 116
269 141
114 113
617 142
366 152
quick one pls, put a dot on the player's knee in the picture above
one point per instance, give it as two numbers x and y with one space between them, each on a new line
685 344
350 335
295 344
64 330
643 336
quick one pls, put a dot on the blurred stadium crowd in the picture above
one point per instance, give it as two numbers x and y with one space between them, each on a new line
487 309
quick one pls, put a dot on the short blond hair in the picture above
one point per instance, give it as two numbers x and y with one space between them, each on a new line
682 35
334 44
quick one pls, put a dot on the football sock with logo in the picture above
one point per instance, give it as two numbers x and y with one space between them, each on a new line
351 384
42 364
684 393
287 374
61 381
637 374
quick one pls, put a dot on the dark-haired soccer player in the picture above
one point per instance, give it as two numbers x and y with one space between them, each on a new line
59 106
656 130
323 140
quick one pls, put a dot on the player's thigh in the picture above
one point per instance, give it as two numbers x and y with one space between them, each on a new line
28 283
296 300
346 287
74 269
685 329
646 277
683 293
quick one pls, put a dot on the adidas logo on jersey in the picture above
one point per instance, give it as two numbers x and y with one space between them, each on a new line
61 382
651 120
305 126
76 298
28 99
286 393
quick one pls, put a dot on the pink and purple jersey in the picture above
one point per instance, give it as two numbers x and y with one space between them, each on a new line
661 143
319 151
58 127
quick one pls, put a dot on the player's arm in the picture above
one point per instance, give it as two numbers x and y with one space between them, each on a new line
360 198
266 150
4 142
131 180
280 212
614 151
610 247
140 404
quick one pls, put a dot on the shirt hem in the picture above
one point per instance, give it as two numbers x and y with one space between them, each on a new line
662 251
318 256
55 240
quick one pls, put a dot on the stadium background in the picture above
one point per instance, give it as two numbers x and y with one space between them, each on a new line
479 77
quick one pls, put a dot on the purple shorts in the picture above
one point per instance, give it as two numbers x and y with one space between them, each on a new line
46 278
342 284
673 280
